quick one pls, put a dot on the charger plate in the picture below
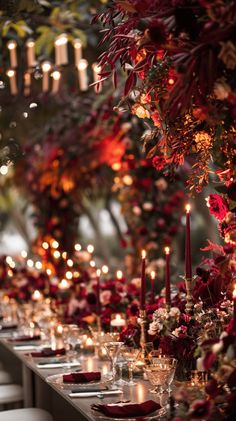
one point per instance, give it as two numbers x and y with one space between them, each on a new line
57 380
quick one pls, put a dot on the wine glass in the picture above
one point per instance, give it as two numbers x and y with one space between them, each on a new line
161 374
112 349
130 354
72 338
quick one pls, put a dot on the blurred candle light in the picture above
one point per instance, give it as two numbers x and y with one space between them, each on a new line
55 244
96 77
70 263
118 321
63 284
119 274
24 254
30 46
36 296
13 84
153 276
64 255
45 245
61 53
92 263
69 274
105 269
77 51
48 271
56 75
167 275
27 83
90 248
78 247
56 254
38 265
98 302
46 67
188 260
11 45
30 263
82 74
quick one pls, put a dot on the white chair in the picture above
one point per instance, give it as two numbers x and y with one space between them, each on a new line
10 394
5 377
25 414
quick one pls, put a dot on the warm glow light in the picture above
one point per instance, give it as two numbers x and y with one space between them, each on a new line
11 45
9 272
153 274
64 254
11 73
69 274
119 274
70 263
56 75
143 254
55 244
46 66
97 69
90 248
116 166
30 263
83 64
38 265
105 269
64 284
48 271
30 43
36 295
167 250
89 342
78 247
8 259
61 40
59 329
56 254
187 207
171 81
98 272
12 264
24 254
127 180
76 274
4 169
92 264
45 245
234 292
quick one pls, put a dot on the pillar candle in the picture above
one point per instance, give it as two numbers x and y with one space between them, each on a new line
167 275
77 51
56 82
11 45
61 53
13 84
98 302
46 67
82 73
153 275
30 45
143 281
96 77
27 83
188 262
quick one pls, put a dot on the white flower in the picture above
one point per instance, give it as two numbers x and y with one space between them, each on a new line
105 297
221 90
216 348
174 312
136 282
161 184
176 332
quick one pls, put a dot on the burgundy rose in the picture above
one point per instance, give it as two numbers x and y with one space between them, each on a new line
158 162
200 409
218 206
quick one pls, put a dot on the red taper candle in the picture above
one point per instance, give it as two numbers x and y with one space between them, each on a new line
143 281
167 277
188 260
153 276
98 302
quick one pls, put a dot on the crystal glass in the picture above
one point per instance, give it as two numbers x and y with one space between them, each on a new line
113 348
72 338
130 354
161 374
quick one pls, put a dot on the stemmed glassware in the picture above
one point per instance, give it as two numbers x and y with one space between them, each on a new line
130 354
72 338
112 348
161 374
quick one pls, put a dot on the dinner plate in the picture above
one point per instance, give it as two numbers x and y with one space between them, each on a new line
57 379
154 416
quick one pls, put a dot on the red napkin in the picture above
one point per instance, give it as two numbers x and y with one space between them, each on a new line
130 410
82 377
48 352
25 339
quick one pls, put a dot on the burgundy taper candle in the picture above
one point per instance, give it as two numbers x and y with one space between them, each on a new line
188 260
167 277
143 282
234 306
153 275
98 303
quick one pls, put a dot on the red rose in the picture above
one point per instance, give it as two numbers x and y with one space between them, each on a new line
218 206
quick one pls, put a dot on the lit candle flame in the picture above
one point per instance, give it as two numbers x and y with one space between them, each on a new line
188 207
167 250
119 274
153 274
144 254
98 272
234 292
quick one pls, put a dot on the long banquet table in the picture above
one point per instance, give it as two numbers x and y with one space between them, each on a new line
38 392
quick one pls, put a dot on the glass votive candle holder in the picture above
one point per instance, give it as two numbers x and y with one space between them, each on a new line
118 322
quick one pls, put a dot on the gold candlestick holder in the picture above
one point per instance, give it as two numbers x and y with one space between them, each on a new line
189 298
143 321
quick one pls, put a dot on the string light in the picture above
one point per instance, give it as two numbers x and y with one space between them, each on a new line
90 248
78 247
70 263
45 245
105 269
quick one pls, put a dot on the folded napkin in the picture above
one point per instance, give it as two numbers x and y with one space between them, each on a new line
48 352
25 338
82 377
130 410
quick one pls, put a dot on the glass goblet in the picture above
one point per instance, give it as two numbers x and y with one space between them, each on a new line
72 339
130 354
112 349
160 375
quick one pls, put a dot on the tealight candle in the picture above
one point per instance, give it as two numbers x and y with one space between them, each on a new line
118 321
36 296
